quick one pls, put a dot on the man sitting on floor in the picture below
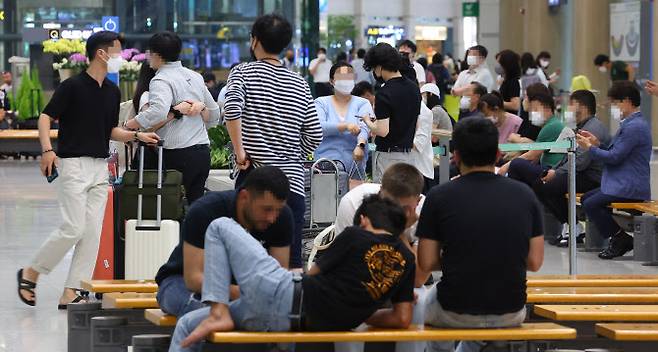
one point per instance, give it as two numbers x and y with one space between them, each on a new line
483 231
365 267
259 206
581 114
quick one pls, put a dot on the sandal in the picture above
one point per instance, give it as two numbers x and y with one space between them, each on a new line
77 299
26 285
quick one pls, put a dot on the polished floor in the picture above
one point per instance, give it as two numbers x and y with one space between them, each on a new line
29 211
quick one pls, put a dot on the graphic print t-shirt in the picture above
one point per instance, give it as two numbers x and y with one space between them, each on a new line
360 271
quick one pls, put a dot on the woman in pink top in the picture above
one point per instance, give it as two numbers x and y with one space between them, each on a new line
491 106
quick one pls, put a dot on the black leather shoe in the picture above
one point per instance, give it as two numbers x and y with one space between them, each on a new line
620 244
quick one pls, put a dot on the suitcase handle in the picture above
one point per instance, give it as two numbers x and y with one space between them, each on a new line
140 186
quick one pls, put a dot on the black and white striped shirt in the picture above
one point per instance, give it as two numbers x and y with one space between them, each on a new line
280 126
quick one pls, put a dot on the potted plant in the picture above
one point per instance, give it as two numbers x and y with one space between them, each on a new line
129 72
220 153
29 100
68 55
75 64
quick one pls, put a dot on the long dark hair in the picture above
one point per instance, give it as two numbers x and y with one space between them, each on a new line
146 74
527 61
510 62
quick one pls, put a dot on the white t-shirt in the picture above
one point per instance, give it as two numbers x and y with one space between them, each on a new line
352 201
322 73
420 73
480 74
422 153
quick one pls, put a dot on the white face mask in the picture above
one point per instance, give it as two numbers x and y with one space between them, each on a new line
570 119
615 113
537 118
493 119
530 71
322 56
447 63
603 69
114 64
472 60
465 103
344 86
544 63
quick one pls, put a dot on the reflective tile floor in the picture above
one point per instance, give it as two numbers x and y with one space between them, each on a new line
29 211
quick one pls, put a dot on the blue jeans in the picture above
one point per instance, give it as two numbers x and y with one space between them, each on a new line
266 289
174 298
436 316
596 205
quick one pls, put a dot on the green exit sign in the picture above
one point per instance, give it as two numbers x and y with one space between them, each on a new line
470 9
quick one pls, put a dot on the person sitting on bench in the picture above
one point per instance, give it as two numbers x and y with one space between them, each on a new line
626 166
365 267
259 206
483 231
581 114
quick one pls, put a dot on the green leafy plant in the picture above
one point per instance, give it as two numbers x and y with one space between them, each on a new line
29 98
340 29
219 137
220 154
220 158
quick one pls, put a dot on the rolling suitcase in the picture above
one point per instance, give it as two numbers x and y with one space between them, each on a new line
326 182
104 269
149 242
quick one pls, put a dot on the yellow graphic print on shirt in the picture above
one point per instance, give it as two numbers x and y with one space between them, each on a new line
386 265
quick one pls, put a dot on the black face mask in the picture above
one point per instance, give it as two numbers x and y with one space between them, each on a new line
379 79
251 53
404 54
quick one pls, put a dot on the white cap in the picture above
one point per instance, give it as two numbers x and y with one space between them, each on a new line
431 88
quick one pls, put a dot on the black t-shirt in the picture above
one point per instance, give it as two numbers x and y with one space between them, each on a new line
484 224
216 205
509 89
87 114
359 272
399 101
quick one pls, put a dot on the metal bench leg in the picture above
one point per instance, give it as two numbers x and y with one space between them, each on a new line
593 240
644 240
108 335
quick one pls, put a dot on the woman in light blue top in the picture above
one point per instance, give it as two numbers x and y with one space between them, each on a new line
344 135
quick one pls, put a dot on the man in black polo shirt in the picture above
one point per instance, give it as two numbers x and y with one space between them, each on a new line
397 106
87 107
259 206
484 241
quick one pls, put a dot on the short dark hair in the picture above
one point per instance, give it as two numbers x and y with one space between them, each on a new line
100 40
493 100
600 59
423 62
543 55
585 98
384 55
209 76
542 95
511 64
341 56
362 88
527 61
322 50
479 88
384 214
476 140
437 59
267 179
622 90
402 180
336 66
480 49
361 53
273 31
166 44
409 44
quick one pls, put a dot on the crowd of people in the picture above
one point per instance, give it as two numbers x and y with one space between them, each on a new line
238 265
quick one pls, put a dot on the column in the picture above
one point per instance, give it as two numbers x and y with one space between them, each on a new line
654 65
360 22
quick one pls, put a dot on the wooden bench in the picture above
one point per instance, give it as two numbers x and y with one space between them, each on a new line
530 331
107 286
592 281
159 318
116 300
628 295
628 331
26 141
598 312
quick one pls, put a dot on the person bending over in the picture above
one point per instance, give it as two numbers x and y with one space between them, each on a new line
482 247
365 267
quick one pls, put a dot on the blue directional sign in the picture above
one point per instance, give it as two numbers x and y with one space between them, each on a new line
110 23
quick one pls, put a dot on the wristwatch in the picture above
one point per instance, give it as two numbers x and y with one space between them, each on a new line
135 136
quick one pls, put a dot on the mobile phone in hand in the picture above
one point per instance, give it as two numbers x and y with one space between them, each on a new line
53 175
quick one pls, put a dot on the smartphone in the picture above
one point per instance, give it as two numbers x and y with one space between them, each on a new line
53 175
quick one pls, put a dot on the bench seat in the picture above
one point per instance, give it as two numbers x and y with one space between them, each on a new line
107 286
159 318
593 281
24 134
131 300
529 331
630 295
598 312
628 331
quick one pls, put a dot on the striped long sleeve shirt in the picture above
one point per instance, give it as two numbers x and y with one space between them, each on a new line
280 126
